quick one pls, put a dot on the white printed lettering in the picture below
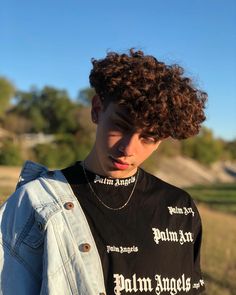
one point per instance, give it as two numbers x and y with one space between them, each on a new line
131 285
172 285
172 236
183 210
122 249
162 284
115 182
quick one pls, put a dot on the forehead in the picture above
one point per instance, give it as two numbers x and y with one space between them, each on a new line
116 111
123 114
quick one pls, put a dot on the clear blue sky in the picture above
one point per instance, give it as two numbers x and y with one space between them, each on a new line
51 42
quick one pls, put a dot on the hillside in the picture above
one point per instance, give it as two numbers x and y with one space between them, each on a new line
182 171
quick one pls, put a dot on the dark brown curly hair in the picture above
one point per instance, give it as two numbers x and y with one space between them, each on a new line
158 96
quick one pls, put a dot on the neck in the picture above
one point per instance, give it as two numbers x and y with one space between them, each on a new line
91 163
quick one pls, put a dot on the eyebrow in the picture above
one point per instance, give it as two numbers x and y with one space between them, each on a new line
122 117
125 119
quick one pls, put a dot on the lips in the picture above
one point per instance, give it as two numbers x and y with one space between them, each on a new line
120 165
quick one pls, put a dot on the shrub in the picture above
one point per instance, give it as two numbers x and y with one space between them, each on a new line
61 153
203 148
10 154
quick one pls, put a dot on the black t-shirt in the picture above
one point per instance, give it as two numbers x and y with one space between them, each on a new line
150 246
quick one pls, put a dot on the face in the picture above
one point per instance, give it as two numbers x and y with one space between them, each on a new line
119 148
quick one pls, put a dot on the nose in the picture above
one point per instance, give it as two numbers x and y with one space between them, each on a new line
128 144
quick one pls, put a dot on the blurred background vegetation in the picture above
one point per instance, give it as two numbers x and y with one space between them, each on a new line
47 126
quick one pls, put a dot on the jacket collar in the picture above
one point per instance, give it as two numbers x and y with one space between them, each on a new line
29 172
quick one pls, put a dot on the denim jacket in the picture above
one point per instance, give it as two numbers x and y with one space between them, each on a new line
46 246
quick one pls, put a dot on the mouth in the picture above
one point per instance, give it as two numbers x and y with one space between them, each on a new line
118 164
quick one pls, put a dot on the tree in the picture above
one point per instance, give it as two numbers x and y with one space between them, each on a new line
203 148
64 151
85 95
7 91
50 110
58 110
231 148
10 154
28 106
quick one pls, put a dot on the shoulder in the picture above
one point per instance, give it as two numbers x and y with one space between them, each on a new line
174 201
163 189
32 203
169 198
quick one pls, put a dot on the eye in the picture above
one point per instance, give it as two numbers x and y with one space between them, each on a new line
148 139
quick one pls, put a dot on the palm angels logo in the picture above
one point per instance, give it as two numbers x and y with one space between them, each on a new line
121 249
179 210
145 284
172 236
115 182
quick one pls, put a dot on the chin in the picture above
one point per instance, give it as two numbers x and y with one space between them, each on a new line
121 173
115 174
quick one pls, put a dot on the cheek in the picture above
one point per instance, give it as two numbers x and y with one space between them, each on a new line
107 138
112 141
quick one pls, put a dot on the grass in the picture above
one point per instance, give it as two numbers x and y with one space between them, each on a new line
219 196
8 179
217 206
4 192
218 251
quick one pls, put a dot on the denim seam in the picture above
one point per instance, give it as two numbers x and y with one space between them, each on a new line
15 255
53 210
27 227
65 263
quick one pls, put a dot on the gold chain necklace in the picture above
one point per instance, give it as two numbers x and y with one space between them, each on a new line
105 205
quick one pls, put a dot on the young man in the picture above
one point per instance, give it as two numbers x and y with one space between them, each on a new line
104 225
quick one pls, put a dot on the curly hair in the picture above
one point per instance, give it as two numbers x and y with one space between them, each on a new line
157 95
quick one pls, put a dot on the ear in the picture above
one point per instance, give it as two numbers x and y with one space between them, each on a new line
97 108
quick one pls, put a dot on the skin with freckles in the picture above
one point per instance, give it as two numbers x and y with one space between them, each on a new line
119 147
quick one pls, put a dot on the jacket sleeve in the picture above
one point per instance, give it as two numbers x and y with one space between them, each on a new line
21 246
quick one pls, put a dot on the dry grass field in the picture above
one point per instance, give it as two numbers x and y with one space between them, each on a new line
219 251
219 240
8 180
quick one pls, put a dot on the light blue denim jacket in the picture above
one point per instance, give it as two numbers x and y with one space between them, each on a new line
46 246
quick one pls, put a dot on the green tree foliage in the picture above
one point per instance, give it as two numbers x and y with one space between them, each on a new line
50 110
54 156
10 154
7 91
59 110
231 148
85 95
203 148
87 129
169 148
64 151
